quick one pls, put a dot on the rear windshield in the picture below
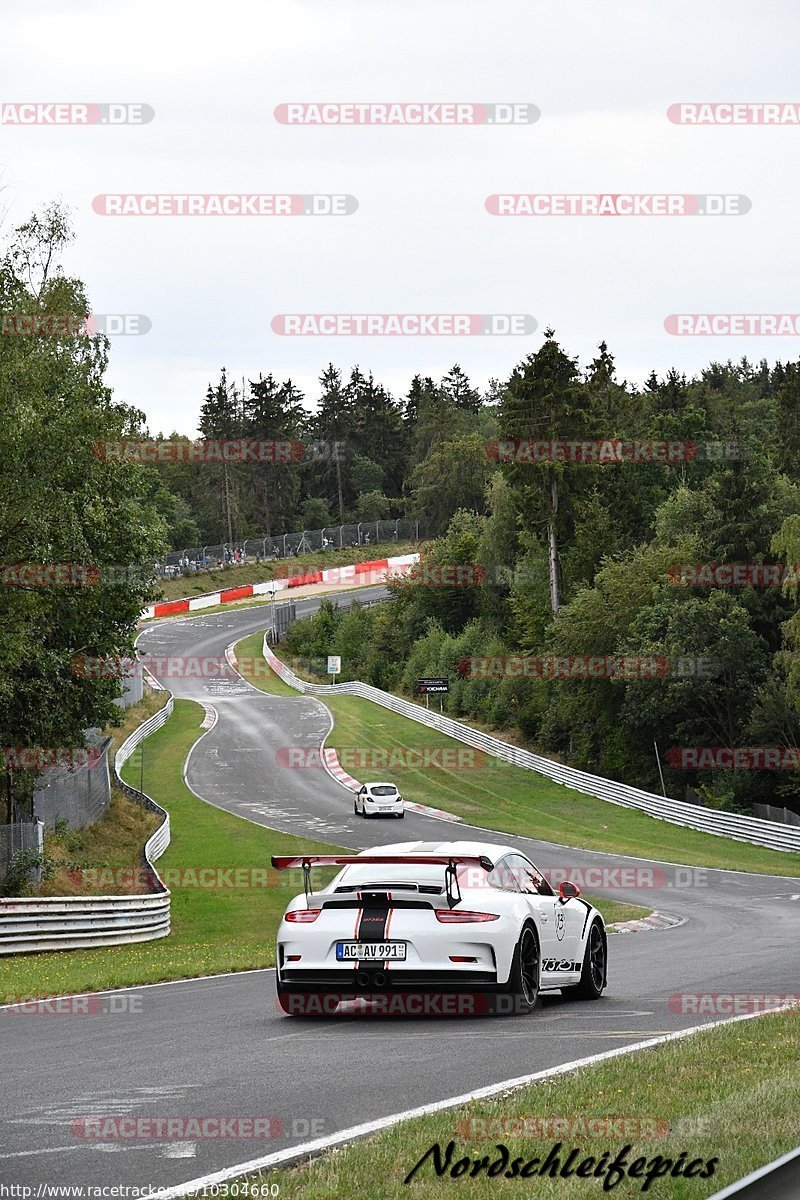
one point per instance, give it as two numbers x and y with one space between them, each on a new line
387 790
392 873
469 874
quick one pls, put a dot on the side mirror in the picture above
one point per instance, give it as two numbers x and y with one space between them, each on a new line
568 891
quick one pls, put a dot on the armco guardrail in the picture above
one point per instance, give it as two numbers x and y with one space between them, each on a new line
723 824
77 922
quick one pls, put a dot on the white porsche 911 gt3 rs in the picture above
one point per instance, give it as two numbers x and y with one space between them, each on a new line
466 918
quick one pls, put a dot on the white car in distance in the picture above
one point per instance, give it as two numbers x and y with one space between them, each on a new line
378 799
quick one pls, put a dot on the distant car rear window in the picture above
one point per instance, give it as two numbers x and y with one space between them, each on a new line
384 791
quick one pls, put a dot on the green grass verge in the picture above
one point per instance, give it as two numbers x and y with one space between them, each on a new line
253 666
214 929
227 577
731 1093
510 799
513 800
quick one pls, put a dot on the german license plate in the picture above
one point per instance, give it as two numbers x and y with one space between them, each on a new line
369 951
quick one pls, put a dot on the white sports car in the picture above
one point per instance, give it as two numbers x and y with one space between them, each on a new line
475 921
378 798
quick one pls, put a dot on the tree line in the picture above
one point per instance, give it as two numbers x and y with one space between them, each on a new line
360 455
582 562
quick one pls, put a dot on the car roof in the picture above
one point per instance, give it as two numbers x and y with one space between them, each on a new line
380 783
475 849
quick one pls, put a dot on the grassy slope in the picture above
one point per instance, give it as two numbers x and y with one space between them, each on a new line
84 857
733 1093
227 577
254 667
512 800
427 781
213 930
517 801
104 858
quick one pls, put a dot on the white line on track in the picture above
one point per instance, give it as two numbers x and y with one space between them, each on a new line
733 1188
316 1147
139 987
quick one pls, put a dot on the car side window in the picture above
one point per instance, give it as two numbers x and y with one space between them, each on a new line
503 876
528 878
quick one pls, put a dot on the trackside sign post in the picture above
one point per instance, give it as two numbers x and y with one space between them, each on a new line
334 665
437 686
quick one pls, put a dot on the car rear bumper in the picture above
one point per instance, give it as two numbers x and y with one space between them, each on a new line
374 978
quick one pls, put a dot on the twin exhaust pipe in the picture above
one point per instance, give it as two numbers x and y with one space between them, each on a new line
366 979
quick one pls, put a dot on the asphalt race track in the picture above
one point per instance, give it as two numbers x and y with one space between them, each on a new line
218 1047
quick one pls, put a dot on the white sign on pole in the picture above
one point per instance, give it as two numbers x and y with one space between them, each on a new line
334 664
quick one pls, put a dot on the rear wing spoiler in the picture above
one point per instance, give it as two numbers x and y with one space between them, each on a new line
449 861
285 862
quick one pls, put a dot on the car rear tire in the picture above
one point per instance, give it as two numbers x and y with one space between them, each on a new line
593 971
521 993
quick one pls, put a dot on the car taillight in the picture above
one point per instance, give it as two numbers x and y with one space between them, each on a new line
452 916
303 916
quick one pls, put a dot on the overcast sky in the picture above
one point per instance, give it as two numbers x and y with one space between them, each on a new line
421 241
